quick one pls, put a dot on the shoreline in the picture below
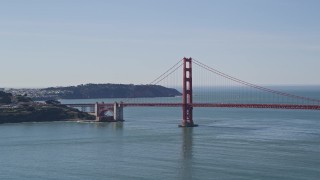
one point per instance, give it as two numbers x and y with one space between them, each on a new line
67 120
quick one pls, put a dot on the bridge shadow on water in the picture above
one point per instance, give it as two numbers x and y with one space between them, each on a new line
186 154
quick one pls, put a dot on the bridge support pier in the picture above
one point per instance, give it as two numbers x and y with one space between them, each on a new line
96 109
187 109
118 111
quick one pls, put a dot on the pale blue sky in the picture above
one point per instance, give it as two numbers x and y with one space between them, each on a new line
69 42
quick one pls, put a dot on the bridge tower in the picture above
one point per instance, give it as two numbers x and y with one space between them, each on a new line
187 109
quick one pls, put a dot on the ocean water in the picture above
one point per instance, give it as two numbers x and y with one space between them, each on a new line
228 144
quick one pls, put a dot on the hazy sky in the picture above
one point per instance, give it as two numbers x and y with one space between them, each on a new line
70 42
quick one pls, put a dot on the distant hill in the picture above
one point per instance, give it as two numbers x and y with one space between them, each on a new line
91 91
95 91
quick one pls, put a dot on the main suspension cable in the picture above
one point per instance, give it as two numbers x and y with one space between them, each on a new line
250 84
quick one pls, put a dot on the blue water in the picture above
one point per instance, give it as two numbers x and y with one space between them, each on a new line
228 144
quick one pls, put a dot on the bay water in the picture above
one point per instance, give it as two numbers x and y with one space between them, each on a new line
228 144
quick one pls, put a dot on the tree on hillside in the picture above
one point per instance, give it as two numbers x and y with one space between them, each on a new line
5 98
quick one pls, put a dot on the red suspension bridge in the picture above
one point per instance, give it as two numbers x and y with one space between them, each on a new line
207 87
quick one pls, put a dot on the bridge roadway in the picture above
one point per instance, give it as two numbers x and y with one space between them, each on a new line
214 105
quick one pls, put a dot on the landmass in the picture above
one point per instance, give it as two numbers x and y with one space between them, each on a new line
20 105
16 109
95 91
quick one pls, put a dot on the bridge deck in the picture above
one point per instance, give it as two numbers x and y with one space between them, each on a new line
214 105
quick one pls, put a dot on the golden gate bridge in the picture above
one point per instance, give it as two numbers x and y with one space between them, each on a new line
208 88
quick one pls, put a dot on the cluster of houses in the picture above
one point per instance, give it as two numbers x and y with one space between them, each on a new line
36 93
